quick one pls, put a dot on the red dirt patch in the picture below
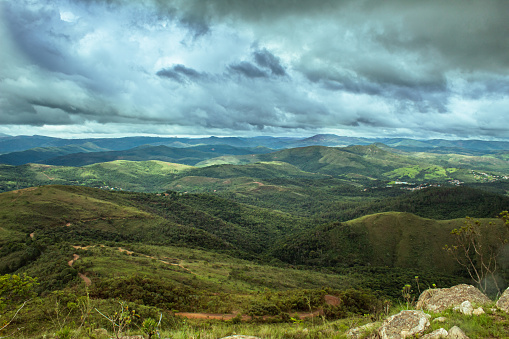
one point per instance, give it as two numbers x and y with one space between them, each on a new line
229 316
332 300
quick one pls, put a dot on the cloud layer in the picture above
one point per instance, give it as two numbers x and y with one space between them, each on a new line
421 69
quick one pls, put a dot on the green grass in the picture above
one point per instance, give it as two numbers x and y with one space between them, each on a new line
492 324
212 271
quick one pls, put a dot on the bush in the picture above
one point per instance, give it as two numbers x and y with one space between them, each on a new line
353 302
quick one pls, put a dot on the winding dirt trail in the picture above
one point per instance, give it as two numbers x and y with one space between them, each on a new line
83 277
190 315
73 260
160 260
87 280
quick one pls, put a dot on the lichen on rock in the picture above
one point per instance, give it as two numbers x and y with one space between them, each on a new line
440 299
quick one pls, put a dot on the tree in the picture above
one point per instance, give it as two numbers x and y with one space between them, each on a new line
13 290
473 251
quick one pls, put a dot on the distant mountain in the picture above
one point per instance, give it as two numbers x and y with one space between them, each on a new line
143 168
41 154
331 140
186 156
10 144
364 160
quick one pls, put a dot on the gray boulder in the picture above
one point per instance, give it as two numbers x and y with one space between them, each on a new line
403 325
466 308
437 334
503 302
440 299
456 333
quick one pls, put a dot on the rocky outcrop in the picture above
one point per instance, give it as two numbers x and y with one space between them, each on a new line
440 299
503 302
405 324
456 333
437 334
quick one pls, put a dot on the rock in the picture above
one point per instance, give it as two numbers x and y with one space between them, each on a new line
466 308
440 299
456 333
403 325
503 302
240 337
360 332
437 334
478 311
439 320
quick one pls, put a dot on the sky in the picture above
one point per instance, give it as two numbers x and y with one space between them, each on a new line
397 68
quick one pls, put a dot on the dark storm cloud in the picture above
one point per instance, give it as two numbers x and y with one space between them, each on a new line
266 59
180 73
247 69
42 43
196 25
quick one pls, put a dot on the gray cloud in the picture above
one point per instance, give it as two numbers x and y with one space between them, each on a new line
247 69
266 59
180 73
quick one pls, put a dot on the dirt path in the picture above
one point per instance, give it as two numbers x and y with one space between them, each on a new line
73 260
160 260
21 191
229 316
47 176
86 279
166 262
83 277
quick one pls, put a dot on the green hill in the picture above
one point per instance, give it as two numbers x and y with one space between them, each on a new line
391 239
40 154
147 176
187 156
434 203
52 214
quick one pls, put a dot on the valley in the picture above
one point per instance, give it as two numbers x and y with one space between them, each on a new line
257 230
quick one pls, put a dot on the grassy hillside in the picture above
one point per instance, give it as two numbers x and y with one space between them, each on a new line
391 239
53 213
147 176
378 161
365 167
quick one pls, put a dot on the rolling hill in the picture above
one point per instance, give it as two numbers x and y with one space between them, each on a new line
391 239
186 156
